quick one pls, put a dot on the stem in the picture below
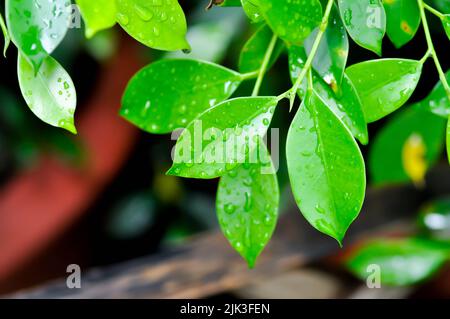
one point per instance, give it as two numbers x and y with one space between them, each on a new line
431 48
433 11
249 75
309 61
264 65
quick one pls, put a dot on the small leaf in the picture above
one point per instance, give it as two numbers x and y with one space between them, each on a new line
253 52
446 23
98 15
401 262
365 21
6 37
247 206
50 94
331 56
407 147
434 220
292 21
326 168
437 101
346 106
384 85
403 20
222 137
37 29
252 10
169 94
159 24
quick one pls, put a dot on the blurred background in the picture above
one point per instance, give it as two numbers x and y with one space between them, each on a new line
101 198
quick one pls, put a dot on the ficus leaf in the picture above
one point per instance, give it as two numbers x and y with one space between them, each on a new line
252 10
403 20
222 137
159 24
50 94
437 101
6 37
326 168
346 106
98 15
37 29
365 21
407 147
292 21
247 205
384 85
169 94
446 24
401 262
253 52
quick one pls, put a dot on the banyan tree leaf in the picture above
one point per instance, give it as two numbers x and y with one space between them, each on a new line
98 15
326 168
403 20
437 101
384 85
252 10
169 94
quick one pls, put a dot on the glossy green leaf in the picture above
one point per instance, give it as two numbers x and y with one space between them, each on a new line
346 106
437 101
252 10
446 23
389 159
50 94
222 137
403 20
326 168
384 85
169 94
292 20
331 56
159 24
434 220
98 15
247 206
253 52
365 21
6 37
401 262
37 29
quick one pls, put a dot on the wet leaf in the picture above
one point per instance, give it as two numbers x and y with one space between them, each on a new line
159 24
6 37
437 101
247 206
434 220
252 10
400 262
98 15
384 85
446 23
326 168
169 94
403 20
222 137
50 94
365 21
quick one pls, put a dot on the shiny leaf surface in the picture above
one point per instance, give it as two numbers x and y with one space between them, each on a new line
98 15
403 20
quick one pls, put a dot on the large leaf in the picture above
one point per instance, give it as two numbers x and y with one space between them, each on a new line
331 56
326 168
37 27
222 137
169 94
98 15
6 37
401 262
403 20
293 21
50 93
253 52
437 101
159 24
252 10
247 205
365 21
407 147
346 106
384 85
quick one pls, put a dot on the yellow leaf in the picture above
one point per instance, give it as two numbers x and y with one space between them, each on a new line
413 158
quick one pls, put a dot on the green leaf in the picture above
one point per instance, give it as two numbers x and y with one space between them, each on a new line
437 101
407 146
247 206
253 52
434 220
50 94
331 56
222 137
326 168
401 262
365 21
98 15
446 23
292 21
384 85
37 29
159 24
403 20
169 94
6 37
227 3
346 106
252 10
